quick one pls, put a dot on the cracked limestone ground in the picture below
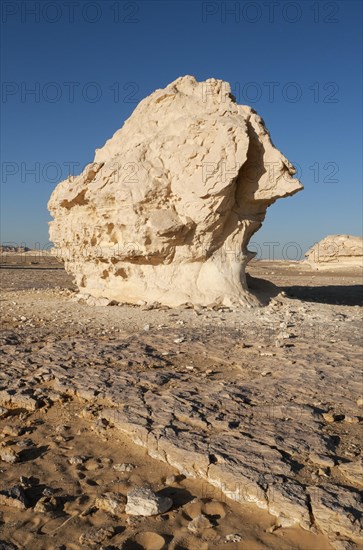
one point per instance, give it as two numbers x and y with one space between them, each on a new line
262 405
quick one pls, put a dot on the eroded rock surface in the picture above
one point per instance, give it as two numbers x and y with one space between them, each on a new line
166 210
336 251
269 440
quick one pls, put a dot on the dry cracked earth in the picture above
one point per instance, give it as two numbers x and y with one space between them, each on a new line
249 420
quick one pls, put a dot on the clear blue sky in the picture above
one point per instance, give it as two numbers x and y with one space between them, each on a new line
91 63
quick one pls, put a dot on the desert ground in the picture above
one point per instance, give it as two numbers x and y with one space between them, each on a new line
248 419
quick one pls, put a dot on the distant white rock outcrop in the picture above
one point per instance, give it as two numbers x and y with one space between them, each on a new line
336 251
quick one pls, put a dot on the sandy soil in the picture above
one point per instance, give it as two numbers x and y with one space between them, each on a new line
272 393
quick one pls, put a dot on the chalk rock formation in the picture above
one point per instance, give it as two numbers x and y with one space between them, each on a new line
167 208
336 251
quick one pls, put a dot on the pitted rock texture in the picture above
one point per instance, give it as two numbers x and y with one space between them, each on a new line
166 210
336 251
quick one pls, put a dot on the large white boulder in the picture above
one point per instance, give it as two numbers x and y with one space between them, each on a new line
166 210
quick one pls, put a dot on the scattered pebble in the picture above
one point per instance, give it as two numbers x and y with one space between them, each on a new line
144 502
233 538
96 535
113 503
171 479
9 455
76 460
124 467
46 504
351 419
328 417
12 431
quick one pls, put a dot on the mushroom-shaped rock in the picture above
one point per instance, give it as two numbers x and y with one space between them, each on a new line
166 210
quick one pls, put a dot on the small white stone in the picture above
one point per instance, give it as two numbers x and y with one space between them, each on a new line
76 460
125 467
8 455
233 538
144 502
